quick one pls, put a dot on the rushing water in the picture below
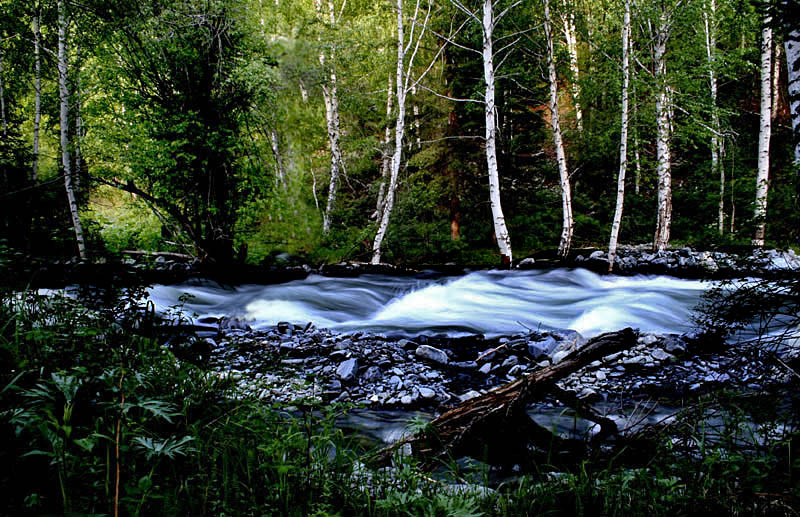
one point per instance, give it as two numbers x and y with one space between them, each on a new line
481 302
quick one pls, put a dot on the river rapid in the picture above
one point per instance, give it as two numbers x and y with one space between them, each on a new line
491 303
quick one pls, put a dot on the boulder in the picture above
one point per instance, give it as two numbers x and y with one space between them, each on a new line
432 354
347 370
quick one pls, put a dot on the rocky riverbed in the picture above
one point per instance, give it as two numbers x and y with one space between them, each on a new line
290 363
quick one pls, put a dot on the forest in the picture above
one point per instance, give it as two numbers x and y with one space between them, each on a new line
407 257
429 132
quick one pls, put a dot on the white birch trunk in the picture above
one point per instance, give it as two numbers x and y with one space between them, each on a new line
792 48
280 172
500 230
76 173
570 35
398 138
709 26
623 136
37 89
331 98
387 156
663 156
561 159
764 134
64 100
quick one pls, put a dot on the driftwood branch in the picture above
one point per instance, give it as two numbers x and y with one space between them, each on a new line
500 414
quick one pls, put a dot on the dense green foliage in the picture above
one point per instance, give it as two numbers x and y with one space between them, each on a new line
195 108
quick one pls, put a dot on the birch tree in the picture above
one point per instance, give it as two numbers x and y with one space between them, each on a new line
623 135
386 159
558 141
660 36
570 35
709 29
405 62
331 98
63 94
37 88
764 132
790 12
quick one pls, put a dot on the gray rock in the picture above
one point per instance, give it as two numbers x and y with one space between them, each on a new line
545 347
674 345
471 394
372 374
660 355
395 380
406 344
512 360
600 375
486 368
347 370
432 354
648 339
558 356
526 262
426 393
597 254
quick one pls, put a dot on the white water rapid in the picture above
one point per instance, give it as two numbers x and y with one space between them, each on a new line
481 302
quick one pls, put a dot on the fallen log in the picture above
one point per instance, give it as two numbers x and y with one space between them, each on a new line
498 419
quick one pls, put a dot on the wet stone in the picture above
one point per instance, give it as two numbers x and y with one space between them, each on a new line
432 354
347 370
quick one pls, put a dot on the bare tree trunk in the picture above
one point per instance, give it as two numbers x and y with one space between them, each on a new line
623 136
399 129
64 99
331 98
415 124
561 159
387 155
3 119
500 230
570 34
792 48
37 88
280 171
764 133
709 26
664 171
637 162
776 67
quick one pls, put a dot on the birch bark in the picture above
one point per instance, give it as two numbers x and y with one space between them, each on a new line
764 133
280 171
570 34
331 97
37 90
63 94
561 159
387 155
791 46
709 26
623 136
490 111
663 156
399 130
